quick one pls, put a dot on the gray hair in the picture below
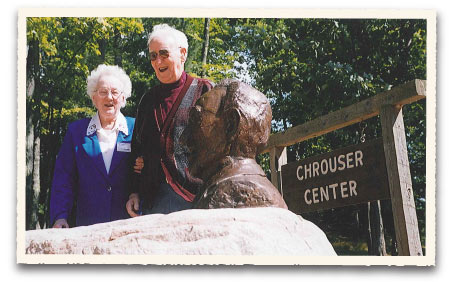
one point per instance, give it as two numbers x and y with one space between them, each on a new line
103 70
179 37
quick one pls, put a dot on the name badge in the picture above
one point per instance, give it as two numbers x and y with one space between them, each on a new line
124 147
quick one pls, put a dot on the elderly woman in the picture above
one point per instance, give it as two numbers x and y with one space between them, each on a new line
92 165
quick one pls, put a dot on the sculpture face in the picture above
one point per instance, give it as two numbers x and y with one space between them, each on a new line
206 136
224 130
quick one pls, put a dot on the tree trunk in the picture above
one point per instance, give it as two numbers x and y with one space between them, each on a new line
32 188
29 153
356 233
205 50
34 222
376 228
364 224
48 147
389 226
102 43
117 49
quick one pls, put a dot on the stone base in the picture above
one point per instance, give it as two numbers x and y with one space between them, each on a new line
248 231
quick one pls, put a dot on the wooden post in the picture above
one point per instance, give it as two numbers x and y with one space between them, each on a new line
400 184
278 158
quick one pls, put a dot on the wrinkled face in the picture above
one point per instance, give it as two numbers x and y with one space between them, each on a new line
108 105
168 70
205 135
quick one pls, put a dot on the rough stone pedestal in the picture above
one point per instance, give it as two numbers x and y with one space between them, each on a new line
247 231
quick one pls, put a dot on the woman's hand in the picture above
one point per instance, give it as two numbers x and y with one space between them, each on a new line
61 223
139 165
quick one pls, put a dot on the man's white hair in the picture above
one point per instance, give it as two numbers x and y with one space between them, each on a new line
160 29
104 70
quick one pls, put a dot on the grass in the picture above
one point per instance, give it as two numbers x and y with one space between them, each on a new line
349 248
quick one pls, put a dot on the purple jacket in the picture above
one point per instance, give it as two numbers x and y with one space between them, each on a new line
80 175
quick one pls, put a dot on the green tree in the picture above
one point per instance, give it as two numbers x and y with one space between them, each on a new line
64 52
306 67
310 67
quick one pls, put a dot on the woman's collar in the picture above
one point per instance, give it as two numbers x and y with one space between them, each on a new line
95 124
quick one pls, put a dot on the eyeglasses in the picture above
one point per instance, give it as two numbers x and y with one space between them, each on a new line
104 92
164 54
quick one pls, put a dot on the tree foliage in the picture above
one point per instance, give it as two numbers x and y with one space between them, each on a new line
310 67
306 67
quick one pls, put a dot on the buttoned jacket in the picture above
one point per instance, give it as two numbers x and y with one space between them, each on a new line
80 177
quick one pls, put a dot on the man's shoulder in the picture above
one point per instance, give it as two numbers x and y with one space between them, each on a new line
204 85
148 98
204 81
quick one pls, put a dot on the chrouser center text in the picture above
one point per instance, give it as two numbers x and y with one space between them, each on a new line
327 166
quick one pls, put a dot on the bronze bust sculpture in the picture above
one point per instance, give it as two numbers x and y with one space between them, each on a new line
227 127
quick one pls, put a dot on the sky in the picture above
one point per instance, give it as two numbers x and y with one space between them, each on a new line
444 157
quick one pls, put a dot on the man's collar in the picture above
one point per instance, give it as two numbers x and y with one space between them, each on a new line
95 124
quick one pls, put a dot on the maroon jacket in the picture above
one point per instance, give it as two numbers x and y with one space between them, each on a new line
156 138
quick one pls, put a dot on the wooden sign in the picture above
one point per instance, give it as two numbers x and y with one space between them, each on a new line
348 176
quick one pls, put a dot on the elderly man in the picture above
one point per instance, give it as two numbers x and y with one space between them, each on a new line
164 184
228 126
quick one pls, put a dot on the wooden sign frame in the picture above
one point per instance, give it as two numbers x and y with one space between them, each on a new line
388 105
347 176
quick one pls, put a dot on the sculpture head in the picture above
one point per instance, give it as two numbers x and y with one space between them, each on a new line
233 119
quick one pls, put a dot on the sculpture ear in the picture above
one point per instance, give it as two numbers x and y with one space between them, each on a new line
232 122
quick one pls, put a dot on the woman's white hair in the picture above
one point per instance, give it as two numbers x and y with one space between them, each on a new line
179 37
103 70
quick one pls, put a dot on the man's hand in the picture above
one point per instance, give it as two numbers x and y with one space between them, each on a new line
132 206
139 165
61 223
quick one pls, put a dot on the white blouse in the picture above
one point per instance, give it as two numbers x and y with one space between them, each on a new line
107 138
